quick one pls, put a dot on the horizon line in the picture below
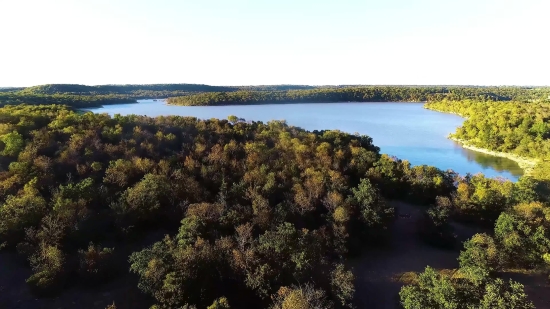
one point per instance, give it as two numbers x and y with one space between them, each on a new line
309 85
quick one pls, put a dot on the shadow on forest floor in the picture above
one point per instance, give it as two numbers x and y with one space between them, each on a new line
15 294
123 291
380 272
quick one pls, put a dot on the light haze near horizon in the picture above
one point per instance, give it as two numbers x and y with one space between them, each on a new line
255 42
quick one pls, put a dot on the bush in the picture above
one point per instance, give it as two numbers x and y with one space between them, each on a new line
96 265
49 277
44 283
342 285
434 227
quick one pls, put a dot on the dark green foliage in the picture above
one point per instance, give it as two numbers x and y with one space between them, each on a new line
521 240
481 252
523 234
372 210
481 200
465 289
526 190
197 272
144 201
21 211
397 179
434 226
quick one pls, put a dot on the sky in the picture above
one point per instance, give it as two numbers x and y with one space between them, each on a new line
259 42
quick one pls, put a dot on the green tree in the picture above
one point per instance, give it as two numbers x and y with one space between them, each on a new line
13 143
20 212
468 288
480 251
372 209
431 291
499 295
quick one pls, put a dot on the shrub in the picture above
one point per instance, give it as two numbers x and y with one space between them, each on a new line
96 264
434 227
48 264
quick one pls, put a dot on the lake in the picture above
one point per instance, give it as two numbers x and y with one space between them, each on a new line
405 130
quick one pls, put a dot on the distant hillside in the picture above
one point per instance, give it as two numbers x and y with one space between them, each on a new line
142 89
10 89
198 94
119 89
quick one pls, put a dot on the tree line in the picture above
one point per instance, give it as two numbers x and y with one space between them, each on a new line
82 96
362 94
76 101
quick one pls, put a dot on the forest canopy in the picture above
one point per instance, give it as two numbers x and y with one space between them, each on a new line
235 213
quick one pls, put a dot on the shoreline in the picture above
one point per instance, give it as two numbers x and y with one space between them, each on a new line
444 112
526 164
289 103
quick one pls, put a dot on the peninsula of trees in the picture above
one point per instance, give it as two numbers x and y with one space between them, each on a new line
518 128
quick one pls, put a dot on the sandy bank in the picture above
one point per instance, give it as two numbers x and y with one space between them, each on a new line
527 164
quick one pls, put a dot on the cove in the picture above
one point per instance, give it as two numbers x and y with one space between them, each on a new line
405 130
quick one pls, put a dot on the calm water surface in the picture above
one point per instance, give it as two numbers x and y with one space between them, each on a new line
405 130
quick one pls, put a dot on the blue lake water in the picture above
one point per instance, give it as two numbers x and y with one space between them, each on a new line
405 130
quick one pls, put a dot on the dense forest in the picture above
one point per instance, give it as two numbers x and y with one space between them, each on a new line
228 213
364 94
243 214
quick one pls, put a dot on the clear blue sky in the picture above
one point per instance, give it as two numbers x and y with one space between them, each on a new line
251 42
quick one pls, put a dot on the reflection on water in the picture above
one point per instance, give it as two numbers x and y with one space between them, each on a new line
487 161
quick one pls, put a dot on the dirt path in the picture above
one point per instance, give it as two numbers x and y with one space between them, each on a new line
376 271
